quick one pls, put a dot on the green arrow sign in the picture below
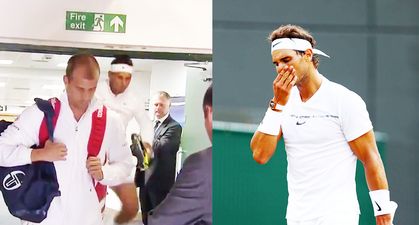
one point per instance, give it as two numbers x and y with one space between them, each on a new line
99 22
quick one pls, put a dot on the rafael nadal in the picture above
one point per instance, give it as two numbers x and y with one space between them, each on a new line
326 128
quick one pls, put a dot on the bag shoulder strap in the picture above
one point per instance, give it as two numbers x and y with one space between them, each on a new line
97 134
51 109
97 131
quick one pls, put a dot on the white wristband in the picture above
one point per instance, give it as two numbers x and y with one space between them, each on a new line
381 203
271 123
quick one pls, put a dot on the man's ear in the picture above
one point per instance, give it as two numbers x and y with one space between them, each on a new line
65 80
308 54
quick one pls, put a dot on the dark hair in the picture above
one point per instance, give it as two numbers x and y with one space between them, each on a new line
207 99
294 31
81 59
123 59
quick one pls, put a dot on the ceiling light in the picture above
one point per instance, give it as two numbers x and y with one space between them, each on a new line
41 57
62 65
6 61
52 87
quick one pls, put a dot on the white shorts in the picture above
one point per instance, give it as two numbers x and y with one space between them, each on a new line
331 219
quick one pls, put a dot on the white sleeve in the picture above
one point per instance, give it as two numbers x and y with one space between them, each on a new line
120 163
354 116
146 126
16 140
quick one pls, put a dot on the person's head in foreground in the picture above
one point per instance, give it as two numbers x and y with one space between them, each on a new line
82 75
207 106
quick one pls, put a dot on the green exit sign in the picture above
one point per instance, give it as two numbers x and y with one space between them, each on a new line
99 22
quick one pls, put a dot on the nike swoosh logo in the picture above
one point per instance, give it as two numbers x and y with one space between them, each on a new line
379 208
276 44
300 123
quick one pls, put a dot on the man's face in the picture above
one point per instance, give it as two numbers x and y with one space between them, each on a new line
80 90
161 106
284 57
208 121
119 81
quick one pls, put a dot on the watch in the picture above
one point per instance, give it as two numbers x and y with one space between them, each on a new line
276 106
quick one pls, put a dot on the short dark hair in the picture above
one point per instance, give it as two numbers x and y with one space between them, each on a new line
207 98
78 60
122 59
294 31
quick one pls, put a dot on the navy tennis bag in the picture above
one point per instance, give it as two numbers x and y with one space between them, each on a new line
28 190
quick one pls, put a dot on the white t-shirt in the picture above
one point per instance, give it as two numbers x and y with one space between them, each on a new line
128 105
321 165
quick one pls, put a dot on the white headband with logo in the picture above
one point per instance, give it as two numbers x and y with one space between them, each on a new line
295 44
121 67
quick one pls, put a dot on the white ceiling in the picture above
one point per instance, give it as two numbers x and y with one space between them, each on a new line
40 75
58 62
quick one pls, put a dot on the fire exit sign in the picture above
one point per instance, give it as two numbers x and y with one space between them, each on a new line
92 21
3 108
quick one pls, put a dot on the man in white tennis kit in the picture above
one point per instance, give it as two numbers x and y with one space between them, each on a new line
116 95
326 128
76 171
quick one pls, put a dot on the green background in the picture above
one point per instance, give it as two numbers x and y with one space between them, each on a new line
247 193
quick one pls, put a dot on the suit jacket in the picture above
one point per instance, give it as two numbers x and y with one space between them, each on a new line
159 178
190 200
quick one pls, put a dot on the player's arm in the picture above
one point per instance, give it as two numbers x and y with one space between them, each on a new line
16 140
265 139
120 162
170 139
263 146
365 148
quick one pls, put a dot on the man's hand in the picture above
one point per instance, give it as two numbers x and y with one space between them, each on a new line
51 152
148 155
147 148
384 220
94 167
283 83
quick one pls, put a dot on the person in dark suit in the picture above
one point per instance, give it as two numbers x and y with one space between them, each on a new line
160 176
190 200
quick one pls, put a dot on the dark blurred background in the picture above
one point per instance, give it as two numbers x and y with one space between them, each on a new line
374 49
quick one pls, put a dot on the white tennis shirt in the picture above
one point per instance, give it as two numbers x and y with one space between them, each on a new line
321 165
128 105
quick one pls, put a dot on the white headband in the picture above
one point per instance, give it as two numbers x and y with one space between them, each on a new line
294 44
121 68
